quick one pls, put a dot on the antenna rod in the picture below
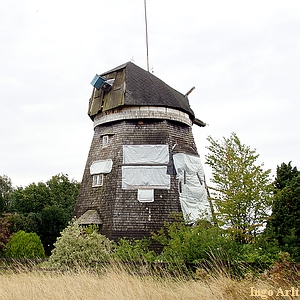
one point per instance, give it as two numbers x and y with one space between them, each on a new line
146 35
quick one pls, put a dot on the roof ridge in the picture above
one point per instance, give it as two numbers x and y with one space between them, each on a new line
117 68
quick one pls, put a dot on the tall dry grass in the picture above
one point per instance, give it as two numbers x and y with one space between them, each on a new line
117 283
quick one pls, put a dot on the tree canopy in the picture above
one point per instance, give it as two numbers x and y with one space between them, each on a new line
44 208
284 223
5 189
241 191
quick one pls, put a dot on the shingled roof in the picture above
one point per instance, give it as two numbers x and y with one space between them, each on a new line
90 217
144 89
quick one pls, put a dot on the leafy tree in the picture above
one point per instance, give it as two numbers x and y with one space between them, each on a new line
285 173
242 190
31 199
46 207
24 245
59 191
4 233
63 193
78 246
53 220
5 190
19 221
284 224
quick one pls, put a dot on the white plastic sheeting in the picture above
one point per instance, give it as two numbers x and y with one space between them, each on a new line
192 192
146 195
101 167
134 177
145 154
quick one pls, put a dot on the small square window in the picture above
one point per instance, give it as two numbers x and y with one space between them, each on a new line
105 140
97 180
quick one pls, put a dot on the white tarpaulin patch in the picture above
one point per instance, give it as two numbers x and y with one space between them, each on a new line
134 177
145 154
101 167
192 192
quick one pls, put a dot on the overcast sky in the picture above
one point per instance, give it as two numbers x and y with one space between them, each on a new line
242 56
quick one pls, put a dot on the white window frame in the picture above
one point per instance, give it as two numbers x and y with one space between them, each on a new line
97 180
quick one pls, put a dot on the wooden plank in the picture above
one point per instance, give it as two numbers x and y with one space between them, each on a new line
115 97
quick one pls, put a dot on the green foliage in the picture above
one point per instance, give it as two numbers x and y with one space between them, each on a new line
242 191
13 222
58 191
212 247
5 191
78 246
4 233
133 250
53 220
285 173
193 244
32 198
63 193
284 223
21 222
46 207
24 245
261 251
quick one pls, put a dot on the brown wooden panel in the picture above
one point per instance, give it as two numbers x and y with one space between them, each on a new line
95 102
115 97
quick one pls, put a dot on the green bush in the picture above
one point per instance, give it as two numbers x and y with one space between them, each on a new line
261 251
80 247
215 248
195 244
24 245
126 250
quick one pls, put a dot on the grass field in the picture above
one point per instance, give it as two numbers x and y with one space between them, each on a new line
116 283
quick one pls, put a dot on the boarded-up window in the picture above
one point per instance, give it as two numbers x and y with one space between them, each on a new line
101 167
145 154
145 168
134 177
146 195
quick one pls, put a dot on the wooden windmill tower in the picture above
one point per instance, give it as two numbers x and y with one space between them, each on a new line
143 163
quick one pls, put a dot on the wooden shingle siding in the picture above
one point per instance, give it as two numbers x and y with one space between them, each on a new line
119 209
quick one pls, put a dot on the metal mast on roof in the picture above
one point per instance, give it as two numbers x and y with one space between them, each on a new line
146 35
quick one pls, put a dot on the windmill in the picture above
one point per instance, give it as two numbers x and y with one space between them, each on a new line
143 163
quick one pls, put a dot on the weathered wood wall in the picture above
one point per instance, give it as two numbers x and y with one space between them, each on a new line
120 211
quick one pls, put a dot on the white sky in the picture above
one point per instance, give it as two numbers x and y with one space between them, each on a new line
242 56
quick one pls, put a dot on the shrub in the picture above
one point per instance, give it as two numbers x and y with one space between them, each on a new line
78 246
126 250
261 251
24 245
4 234
194 244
